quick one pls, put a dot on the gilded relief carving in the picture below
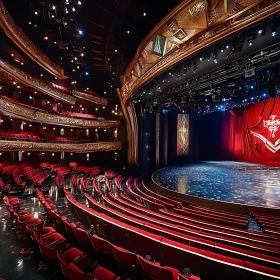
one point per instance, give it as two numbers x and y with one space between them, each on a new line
90 97
22 112
193 19
14 32
58 147
191 26
12 73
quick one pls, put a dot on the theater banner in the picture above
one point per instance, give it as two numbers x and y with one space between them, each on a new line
254 133
182 134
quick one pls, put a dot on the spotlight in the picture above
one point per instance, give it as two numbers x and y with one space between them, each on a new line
250 43
200 58
260 31
80 32
86 73
273 30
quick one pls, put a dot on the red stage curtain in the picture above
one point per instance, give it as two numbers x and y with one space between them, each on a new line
254 133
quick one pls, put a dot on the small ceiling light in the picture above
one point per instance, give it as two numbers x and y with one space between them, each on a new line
75 58
80 32
53 7
128 31
260 31
54 42
22 63
46 38
79 3
66 11
82 54
116 50
73 9
144 14
41 75
227 46
12 54
53 16
96 109
29 22
86 73
36 13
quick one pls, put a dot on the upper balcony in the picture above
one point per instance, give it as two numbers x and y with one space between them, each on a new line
12 107
15 33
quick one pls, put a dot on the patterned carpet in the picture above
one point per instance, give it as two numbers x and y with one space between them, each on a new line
236 182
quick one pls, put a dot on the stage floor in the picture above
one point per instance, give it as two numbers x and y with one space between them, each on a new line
228 181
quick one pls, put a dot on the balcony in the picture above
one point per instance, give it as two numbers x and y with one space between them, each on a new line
29 113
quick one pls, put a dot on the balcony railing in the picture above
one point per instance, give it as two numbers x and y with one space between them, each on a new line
58 147
15 33
20 111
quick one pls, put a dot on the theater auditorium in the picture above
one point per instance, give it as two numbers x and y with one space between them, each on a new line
139 139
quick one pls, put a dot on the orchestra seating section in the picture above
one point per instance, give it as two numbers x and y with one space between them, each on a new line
129 230
65 113
41 137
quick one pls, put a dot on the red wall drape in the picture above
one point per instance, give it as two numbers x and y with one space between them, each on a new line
249 138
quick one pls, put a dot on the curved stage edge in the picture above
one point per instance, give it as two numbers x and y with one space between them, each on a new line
208 203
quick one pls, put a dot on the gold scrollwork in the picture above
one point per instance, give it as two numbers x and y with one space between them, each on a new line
22 112
11 72
15 33
58 147
90 97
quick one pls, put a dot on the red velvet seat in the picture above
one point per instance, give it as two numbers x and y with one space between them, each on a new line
100 244
124 256
73 262
48 252
54 240
158 272
82 240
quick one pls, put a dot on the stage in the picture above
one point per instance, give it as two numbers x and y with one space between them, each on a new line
225 181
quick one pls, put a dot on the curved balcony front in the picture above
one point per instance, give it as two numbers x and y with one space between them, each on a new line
11 73
58 147
37 115
90 97
15 33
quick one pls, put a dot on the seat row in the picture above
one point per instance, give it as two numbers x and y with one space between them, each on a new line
124 256
9 168
33 136
79 115
55 249
138 238
65 113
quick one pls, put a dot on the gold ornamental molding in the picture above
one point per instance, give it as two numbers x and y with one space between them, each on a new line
15 33
59 147
19 111
132 130
191 26
11 73
90 97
